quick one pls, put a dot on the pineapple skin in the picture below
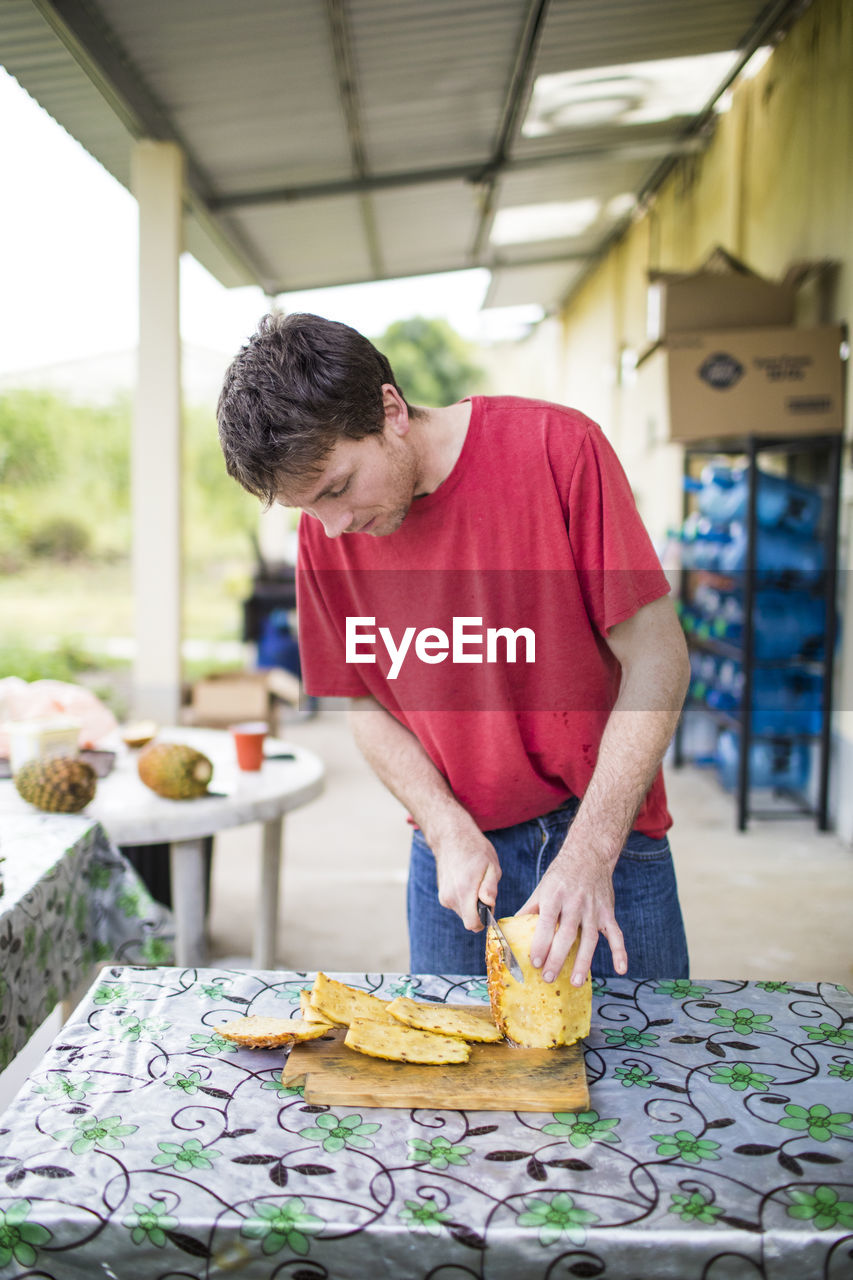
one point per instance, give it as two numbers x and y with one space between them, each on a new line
174 770
61 784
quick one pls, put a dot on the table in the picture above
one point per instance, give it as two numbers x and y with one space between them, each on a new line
718 1144
134 815
70 901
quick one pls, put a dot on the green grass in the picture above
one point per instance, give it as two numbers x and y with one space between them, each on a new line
52 617
48 603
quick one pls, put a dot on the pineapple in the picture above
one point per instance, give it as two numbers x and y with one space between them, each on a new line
535 1014
60 784
174 770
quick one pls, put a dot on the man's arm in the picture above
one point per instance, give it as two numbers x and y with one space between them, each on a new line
577 889
466 861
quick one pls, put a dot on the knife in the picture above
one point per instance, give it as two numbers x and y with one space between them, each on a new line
488 918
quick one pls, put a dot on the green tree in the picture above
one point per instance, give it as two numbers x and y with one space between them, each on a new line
68 462
61 461
218 513
28 454
433 365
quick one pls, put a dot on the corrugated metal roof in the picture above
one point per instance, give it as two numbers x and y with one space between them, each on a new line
337 140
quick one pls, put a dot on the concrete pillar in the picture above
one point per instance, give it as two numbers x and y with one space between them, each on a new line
157 183
276 534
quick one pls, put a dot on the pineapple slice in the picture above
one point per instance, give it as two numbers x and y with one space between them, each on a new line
269 1033
465 1024
340 1003
405 1044
308 1012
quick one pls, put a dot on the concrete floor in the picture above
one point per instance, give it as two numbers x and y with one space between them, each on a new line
775 902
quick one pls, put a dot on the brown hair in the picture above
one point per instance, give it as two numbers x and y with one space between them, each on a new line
300 384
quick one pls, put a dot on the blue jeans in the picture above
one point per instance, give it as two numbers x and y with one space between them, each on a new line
647 907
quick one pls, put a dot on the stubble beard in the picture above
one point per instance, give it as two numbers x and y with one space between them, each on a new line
404 473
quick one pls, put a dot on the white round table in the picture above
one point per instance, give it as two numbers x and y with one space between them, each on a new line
132 814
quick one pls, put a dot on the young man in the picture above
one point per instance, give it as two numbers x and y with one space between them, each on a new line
477 580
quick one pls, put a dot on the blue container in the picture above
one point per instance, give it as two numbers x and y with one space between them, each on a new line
727 690
780 764
786 624
778 552
703 675
723 494
277 645
787 702
701 543
721 610
783 702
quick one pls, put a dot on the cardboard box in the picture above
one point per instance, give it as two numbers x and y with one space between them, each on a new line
227 697
723 294
740 382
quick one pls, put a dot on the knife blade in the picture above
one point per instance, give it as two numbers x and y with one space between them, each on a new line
488 918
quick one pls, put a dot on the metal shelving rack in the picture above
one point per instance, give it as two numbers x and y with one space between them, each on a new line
828 450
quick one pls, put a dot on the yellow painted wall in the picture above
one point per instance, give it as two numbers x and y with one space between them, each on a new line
774 187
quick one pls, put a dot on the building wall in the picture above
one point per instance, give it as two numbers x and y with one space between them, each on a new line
774 187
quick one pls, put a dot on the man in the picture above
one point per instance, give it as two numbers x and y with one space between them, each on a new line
527 752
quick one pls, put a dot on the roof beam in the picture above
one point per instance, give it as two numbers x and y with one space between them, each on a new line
474 174
99 54
448 266
514 101
348 93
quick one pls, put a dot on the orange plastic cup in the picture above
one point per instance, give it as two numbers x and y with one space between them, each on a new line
249 744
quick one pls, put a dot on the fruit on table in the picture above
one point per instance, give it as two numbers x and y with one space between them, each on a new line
139 733
466 1024
175 770
405 1044
535 1014
339 1003
60 784
257 1032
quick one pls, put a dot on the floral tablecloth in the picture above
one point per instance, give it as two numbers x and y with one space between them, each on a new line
718 1145
70 900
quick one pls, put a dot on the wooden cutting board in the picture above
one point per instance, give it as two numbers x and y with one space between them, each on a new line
497 1077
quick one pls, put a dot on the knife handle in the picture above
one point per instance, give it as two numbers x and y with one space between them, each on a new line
483 911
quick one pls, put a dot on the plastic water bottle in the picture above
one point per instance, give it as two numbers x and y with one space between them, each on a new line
698 736
703 674
786 624
713 492
773 763
702 543
723 494
727 691
778 552
784 503
783 702
787 702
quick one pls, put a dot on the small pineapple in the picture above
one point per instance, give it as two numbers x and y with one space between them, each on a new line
174 770
60 784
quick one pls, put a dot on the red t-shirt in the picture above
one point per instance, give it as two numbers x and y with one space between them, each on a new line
480 622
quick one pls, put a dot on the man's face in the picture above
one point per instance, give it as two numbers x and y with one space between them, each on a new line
365 486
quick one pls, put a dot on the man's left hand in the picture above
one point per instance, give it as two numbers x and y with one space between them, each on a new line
576 892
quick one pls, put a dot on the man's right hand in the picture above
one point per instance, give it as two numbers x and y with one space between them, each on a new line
468 872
